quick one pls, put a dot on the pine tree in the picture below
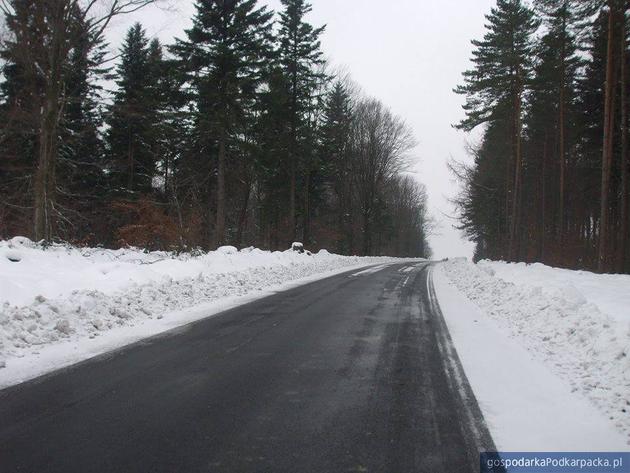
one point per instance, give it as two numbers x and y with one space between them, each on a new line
225 52
610 85
551 119
300 57
228 111
81 152
591 126
576 121
495 90
482 203
272 137
336 159
560 49
53 53
43 33
623 263
20 96
131 119
159 104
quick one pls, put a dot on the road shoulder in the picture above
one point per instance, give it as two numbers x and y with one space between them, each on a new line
526 407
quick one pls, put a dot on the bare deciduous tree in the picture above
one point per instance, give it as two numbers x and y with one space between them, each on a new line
44 34
379 146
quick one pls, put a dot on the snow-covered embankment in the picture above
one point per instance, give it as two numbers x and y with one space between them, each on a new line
546 350
63 304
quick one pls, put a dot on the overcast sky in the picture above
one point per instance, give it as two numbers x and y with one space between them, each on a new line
409 54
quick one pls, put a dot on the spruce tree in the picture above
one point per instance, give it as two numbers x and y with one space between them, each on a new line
336 159
225 53
131 117
159 109
495 90
81 153
272 138
300 57
50 137
481 205
20 96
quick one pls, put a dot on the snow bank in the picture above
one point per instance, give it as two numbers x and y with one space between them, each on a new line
609 292
526 406
553 315
64 294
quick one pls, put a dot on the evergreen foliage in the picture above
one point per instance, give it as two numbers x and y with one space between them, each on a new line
232 135
570 205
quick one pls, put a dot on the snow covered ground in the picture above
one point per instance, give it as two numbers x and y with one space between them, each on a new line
609 292
547 352
63 304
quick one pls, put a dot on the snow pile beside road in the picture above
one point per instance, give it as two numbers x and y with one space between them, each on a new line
609 292
62 293
556 319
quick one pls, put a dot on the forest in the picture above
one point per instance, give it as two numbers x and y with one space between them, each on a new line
237 133
548 180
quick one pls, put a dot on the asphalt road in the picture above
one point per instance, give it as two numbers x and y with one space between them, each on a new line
354 373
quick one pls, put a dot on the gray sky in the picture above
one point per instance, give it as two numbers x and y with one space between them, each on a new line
409 54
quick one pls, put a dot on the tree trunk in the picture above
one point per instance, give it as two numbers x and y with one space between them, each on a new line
543 199
130 164
219 231
507 227
340 243
293 157
518 164
350 215
292 190
623 247
166 172
307 210
242 220
367 233
561 133
607 150
44 185
170 188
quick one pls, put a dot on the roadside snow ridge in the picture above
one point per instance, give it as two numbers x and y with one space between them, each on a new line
560 326
62 293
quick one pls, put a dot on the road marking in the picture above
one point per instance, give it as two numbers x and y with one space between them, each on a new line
405 281
369 270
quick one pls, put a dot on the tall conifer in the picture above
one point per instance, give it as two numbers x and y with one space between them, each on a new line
225 54
300 57
495 89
